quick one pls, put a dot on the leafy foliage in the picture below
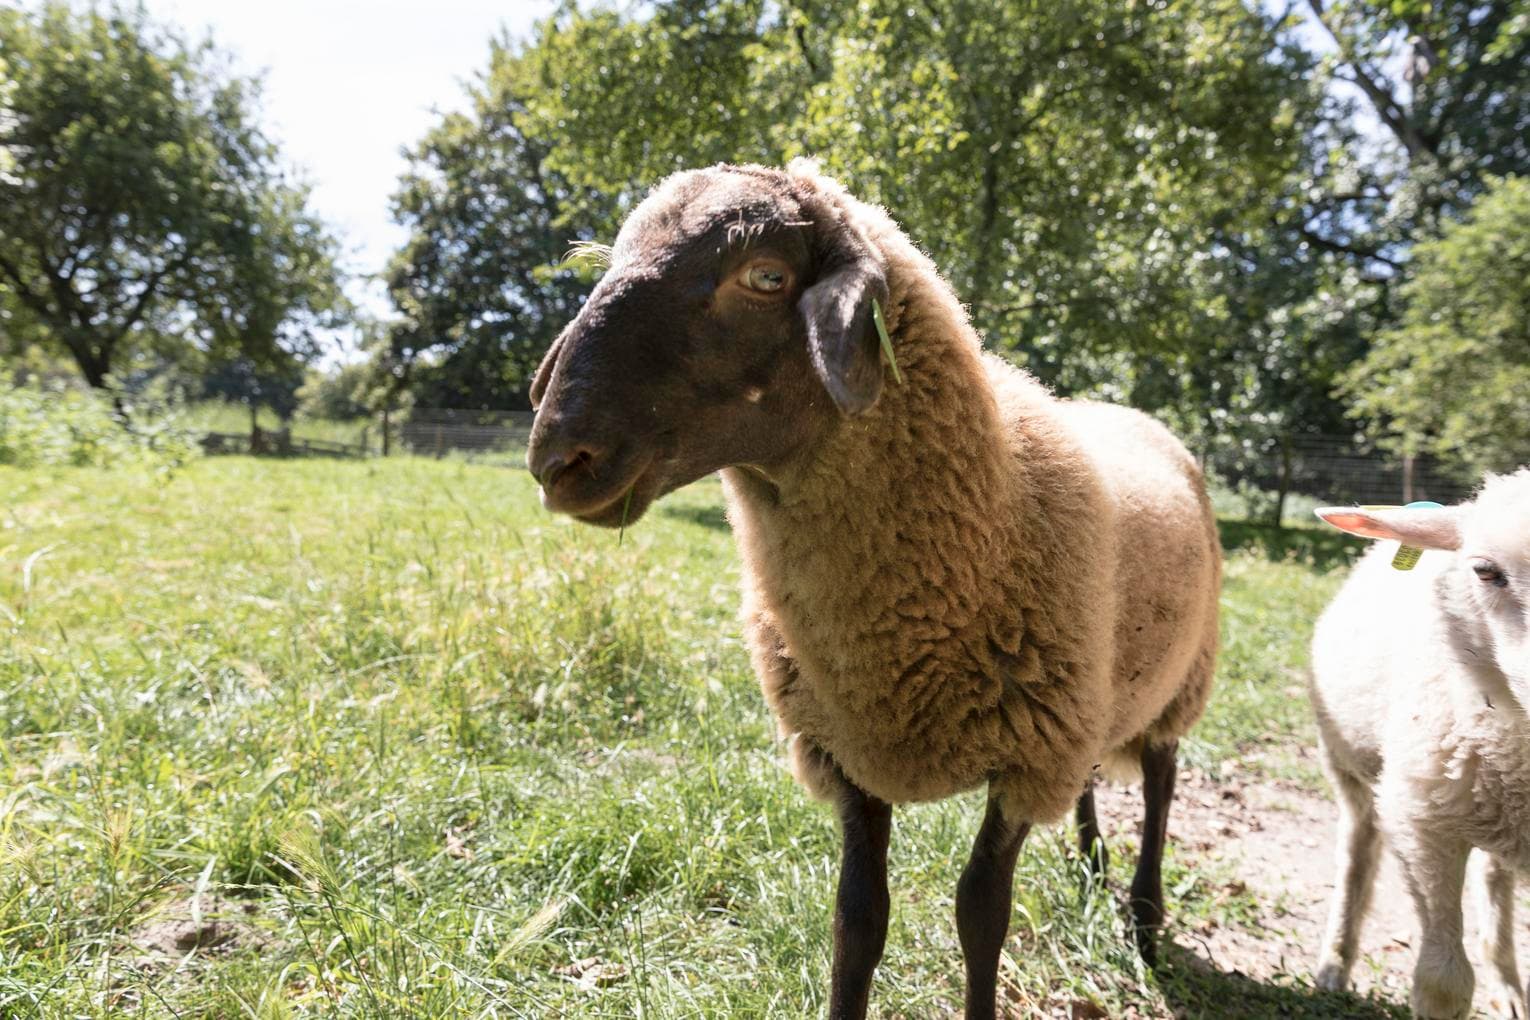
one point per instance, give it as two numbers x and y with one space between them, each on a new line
479 285
1453 377
141 208
1062 165
64 426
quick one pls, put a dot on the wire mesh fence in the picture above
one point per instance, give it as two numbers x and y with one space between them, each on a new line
1338 470
1332 468
435 432
1335 469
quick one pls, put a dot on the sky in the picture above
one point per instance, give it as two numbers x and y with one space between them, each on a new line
348 85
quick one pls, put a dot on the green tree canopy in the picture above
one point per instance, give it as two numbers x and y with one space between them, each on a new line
1453 377
1064 165
480 285
140 206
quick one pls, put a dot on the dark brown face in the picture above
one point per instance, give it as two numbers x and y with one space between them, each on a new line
732 328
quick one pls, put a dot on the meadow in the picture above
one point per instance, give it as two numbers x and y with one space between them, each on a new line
384 739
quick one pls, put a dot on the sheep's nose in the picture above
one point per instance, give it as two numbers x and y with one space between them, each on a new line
552 462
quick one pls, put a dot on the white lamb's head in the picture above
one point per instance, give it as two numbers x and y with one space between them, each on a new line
1484 592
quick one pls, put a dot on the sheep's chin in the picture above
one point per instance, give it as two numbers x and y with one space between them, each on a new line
623 511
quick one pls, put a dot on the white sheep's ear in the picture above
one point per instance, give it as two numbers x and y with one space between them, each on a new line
842 336
1419 527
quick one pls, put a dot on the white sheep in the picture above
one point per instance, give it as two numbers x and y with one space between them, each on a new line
1421 680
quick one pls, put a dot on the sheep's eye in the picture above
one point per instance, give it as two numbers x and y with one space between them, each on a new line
765 279
1489 573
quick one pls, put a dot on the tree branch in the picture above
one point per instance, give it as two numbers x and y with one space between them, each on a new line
1382 101
1339 248
141 303
24 292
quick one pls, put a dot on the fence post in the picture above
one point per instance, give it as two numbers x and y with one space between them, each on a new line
1407 478
386 432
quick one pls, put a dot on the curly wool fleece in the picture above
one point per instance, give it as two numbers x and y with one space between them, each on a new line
975 581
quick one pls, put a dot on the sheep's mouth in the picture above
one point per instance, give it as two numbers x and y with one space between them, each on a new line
616 492
629 503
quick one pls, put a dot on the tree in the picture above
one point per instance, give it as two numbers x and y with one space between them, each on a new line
140 206
255 384
1453 377
480 286
1063 165
1445 89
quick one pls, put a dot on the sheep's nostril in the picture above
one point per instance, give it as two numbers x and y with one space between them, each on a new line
558 466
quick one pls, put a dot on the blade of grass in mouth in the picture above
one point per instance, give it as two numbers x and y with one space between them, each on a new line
626 505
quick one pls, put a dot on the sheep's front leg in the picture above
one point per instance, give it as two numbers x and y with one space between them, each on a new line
861 905
1158 768
983 898
1435 871
1359 849
1495 918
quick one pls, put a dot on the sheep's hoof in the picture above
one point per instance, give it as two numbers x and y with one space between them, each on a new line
1440 1005
1333 976
1147 945
1505 1000
1147 936
1147 923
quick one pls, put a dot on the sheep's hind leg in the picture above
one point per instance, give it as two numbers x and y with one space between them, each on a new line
1090 842
1158 768
1495 920
983 899
861 904
1359 850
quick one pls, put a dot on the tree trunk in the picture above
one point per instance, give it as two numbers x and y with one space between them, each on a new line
95 365
1285 480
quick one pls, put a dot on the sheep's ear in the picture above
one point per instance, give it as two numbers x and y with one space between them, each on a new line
1419 527
544 371
842 336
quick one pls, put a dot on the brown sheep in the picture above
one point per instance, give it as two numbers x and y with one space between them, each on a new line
951 577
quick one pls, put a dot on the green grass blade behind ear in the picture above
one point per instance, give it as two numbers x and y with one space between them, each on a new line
876 316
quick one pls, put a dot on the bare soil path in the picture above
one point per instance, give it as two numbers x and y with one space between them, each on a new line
1278 839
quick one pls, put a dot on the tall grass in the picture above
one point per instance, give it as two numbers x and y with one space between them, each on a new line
450 756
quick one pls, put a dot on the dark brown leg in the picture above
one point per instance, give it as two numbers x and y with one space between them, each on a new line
1158 768
860 908
1090 843
982 906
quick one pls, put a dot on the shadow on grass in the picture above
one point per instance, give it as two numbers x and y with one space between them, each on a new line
1196 990
707 516
1323 548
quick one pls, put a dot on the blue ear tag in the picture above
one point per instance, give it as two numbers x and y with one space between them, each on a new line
1407 556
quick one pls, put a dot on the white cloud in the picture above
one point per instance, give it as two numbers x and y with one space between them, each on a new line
349 84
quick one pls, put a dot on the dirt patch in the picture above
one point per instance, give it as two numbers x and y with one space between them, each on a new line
1278 839
203 925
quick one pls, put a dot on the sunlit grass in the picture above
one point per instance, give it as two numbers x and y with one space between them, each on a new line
463 758
221 416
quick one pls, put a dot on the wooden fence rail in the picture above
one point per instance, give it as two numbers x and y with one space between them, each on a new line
278 444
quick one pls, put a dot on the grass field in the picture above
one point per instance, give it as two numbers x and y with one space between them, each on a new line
428 751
